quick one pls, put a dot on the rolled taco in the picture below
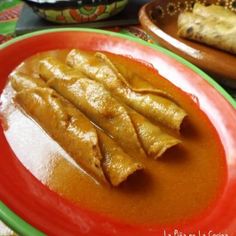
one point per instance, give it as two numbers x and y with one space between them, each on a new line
94 101
93 150
131 130
156 107
20 81
117 165
70 128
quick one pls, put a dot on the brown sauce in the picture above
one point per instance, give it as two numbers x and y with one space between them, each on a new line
183 183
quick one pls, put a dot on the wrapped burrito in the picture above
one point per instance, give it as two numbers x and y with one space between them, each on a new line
93 150
131 130
156 107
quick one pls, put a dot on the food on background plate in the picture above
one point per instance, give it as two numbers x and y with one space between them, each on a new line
139 187
215 11
211 25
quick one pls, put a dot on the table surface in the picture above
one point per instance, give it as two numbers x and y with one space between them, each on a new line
9 14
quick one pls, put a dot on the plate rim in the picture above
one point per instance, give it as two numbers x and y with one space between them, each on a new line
16 222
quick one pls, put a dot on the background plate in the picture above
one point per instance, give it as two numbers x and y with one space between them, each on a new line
159 19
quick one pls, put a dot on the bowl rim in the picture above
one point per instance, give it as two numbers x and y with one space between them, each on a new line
54 4
9 217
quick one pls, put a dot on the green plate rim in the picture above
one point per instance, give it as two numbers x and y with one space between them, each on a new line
10 218
15 223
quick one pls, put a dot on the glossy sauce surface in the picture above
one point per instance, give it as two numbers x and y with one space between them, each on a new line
183 183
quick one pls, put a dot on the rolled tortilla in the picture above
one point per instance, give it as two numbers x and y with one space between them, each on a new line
66 125
211 31
100 68
154 140
115 118
94 101
214 11
20 81
93 150
117 165
134 80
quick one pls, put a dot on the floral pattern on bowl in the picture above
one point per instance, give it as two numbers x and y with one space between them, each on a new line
80 14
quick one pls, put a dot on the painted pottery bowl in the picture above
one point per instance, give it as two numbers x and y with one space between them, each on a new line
69 12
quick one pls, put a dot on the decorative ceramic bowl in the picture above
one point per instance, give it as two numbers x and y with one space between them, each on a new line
72 11
159 19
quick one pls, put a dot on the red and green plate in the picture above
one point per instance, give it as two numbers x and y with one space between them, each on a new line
25 199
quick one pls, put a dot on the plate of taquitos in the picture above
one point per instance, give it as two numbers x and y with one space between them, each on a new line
199 31
83 144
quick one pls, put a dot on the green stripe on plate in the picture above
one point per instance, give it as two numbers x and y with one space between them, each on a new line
16 223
